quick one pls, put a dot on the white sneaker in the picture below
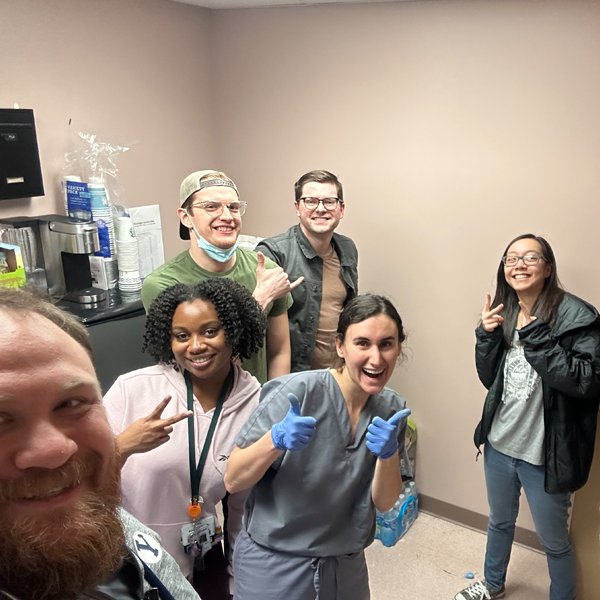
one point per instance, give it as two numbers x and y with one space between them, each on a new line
479 591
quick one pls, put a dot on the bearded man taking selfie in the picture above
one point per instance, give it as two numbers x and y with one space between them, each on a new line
62 533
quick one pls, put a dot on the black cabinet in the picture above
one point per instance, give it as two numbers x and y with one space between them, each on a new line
20 169
116 329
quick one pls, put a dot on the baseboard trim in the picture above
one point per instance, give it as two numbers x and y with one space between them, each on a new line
469 518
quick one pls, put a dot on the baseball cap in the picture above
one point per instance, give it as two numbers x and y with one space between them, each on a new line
191 184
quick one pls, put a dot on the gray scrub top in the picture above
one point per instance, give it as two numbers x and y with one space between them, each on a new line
316 501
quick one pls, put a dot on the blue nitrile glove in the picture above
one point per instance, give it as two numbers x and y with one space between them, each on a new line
295 431
382 436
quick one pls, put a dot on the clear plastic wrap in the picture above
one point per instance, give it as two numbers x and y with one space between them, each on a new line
93 159
92 191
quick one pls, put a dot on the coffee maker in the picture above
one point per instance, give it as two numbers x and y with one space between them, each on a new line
56 253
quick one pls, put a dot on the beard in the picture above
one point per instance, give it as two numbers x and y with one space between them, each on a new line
60 554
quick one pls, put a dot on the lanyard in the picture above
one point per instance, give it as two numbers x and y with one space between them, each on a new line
196 471
158 590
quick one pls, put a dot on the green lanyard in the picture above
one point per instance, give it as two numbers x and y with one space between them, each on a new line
196 471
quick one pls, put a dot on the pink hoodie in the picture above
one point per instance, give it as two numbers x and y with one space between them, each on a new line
156 484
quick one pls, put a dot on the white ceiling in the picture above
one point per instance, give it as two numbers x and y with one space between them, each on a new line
256 3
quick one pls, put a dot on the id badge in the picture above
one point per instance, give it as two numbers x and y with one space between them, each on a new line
197 536
194 536
189 539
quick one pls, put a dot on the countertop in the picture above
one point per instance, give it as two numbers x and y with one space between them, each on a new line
116 306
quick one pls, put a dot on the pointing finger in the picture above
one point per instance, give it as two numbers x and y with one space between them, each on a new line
296 283
402 414
496 309
155 414
488 301
177 418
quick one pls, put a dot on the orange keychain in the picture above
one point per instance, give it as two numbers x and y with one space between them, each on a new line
194 510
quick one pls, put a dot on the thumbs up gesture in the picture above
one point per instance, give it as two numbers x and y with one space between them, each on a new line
382 436
295 431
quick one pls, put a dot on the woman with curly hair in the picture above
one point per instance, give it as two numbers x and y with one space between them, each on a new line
195 333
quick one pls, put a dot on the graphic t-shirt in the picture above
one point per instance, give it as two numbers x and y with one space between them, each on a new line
518 426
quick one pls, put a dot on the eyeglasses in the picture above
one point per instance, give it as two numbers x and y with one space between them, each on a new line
215 209
533 258
328 203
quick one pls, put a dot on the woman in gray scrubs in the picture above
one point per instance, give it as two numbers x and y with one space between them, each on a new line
321 451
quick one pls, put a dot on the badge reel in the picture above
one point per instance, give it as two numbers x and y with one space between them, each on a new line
198 536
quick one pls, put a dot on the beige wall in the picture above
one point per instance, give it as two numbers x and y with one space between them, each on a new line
454 126
128 69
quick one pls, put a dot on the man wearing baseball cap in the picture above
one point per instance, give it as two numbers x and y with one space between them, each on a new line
211 218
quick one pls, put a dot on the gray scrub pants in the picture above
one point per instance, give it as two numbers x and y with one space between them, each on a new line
261 573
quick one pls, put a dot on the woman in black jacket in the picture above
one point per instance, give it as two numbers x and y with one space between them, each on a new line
538 354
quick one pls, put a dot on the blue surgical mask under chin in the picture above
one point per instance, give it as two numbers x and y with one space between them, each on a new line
215 253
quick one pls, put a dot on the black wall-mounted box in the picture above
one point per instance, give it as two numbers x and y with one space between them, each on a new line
20 169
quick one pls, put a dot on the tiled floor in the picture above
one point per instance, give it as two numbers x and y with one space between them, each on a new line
431 560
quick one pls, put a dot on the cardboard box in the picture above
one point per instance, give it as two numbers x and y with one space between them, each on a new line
12 271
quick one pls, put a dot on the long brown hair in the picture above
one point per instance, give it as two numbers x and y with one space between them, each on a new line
546 303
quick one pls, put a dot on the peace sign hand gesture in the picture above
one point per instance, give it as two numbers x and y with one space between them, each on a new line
490 319
526 316
149 432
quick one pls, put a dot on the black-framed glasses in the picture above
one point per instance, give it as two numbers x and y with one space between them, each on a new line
215 209
328 203
531 258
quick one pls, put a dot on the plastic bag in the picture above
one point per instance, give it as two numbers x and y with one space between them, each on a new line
92 191
91 186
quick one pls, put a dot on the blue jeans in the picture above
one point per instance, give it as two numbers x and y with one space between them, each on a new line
504 477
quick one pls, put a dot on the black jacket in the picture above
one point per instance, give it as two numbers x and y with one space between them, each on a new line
293 252
567 357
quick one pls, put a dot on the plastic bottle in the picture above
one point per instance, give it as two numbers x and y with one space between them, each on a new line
392 525
388 534
409 509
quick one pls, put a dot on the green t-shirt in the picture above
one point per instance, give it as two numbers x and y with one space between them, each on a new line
183 269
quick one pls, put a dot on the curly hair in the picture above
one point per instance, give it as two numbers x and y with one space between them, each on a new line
242 318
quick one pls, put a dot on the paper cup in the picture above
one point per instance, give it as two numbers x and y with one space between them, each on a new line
125 231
